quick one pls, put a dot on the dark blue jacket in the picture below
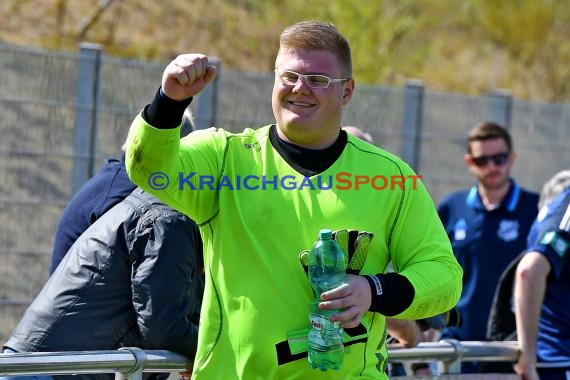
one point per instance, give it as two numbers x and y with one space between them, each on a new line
134 278
105 189
550 235
484 242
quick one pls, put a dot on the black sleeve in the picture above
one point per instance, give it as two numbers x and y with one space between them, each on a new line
165 113
168 285
392 293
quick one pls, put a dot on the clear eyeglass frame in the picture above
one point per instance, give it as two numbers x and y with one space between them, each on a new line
319 81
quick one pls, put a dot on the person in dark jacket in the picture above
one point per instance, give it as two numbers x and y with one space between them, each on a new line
542 289
502 324
133 278
487 226
106 188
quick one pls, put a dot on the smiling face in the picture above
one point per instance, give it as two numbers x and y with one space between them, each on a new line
306 116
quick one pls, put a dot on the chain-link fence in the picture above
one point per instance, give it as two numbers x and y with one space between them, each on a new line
62 114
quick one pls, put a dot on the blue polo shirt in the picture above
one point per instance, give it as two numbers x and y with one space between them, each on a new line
109 186
484 242
550 235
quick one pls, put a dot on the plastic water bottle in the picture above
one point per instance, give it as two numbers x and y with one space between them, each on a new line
326 271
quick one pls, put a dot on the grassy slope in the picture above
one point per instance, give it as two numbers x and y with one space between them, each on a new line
468 46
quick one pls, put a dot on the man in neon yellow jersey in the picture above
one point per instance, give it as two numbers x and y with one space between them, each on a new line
261 196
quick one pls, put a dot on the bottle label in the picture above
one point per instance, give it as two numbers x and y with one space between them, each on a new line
328 333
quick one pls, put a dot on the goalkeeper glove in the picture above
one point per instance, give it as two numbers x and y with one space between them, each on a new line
354 244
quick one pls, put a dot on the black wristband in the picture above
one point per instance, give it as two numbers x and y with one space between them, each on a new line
165 113
392 293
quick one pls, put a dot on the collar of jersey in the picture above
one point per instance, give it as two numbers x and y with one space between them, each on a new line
509 202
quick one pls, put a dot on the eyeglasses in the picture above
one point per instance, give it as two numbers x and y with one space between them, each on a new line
291 78
498 159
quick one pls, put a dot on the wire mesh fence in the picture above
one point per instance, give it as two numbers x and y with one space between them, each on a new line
38 128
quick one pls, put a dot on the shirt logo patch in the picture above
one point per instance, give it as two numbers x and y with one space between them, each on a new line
557 242
253 146
508 230
460 230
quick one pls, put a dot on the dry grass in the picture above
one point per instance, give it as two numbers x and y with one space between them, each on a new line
452 46
142 29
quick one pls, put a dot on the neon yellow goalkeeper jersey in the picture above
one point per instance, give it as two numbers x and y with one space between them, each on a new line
256 214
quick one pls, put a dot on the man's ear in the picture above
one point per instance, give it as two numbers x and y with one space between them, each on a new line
348 91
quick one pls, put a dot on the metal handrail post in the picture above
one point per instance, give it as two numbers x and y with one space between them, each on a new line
136 373
452 365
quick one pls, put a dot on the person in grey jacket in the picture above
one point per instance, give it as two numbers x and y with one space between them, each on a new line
133 278
99 194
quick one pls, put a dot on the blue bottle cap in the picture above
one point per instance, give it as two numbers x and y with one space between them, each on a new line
325 233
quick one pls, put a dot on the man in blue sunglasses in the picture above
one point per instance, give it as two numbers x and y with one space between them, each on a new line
487 225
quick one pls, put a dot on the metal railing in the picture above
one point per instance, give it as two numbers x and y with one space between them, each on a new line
450 353
129 363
